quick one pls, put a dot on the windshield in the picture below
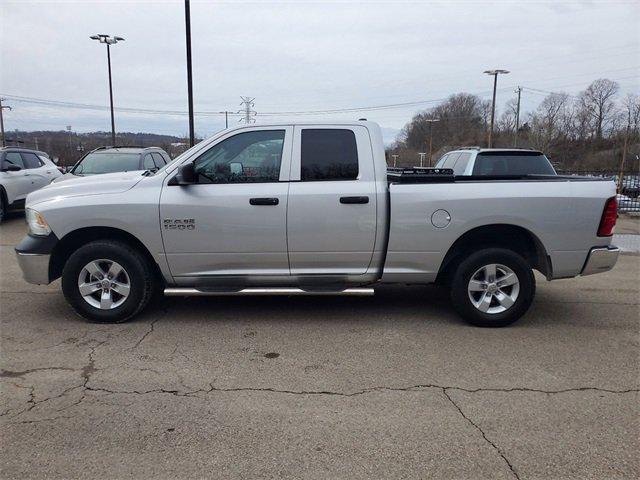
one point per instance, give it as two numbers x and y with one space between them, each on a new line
512 163
107 162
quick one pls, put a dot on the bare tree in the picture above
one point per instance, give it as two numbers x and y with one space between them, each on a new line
597 104
551 120
507 121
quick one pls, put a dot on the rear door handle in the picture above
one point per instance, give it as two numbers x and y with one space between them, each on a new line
264 201
352 200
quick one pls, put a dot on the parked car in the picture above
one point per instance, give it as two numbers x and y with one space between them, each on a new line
22 171
118 159
310 209
496 162
631 186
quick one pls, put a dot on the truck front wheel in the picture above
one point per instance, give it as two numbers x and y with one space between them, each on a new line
493 287
107 281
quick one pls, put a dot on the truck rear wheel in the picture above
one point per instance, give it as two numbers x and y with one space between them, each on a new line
493 287
107 281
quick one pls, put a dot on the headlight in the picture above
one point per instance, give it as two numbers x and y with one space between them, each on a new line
37 224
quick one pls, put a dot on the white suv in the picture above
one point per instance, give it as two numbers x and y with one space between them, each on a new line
21 172
496 162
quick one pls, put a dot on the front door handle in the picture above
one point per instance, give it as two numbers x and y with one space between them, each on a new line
264 201
352 200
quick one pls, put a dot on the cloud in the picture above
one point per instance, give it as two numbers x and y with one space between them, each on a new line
300 56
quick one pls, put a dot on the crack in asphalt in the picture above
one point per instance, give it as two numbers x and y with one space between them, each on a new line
415 388
152 326
477 427
19 374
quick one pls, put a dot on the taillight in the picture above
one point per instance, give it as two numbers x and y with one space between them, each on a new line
608 220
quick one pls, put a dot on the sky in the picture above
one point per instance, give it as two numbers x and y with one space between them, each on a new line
300 56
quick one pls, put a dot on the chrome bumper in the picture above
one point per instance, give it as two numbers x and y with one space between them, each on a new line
600 259
35 267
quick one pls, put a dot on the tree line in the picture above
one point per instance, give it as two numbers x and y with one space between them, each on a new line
587 131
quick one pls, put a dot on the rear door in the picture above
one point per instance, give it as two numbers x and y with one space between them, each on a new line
232 222
17 184
36 170
331 216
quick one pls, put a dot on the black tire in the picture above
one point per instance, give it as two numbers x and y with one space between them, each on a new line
140 275
460 295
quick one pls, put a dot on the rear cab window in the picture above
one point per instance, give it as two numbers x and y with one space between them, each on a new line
512 163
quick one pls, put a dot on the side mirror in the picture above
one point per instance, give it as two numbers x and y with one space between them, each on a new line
10 167
186 175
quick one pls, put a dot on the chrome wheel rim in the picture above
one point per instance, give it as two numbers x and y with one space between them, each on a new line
104 284
493 288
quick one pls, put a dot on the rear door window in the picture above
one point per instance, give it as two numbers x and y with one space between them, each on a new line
148 163
328 154
31 160
159 161
441 162
512 163
451 160
461 163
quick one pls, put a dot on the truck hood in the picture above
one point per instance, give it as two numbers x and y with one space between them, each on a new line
81 186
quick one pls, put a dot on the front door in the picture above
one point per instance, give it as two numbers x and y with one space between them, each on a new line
331 220
233 221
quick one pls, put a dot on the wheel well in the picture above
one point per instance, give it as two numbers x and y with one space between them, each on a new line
510 237
76 239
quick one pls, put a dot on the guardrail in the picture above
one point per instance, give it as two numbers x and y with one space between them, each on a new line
628 189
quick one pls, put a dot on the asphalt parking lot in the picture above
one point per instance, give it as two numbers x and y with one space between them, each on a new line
390 386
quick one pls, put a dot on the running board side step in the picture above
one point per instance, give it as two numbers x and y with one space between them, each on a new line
194 292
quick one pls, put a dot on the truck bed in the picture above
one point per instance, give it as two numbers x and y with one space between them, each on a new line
445 175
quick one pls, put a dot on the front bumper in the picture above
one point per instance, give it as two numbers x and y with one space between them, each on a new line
35 267
600 259
34 255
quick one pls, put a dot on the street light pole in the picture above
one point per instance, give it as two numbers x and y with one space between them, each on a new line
495 74
187 21
108 41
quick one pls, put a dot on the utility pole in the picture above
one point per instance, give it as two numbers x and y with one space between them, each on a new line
247 110
422 155
431 121
495 74
2 107
108 41
187 21
226 119
69 130
515 136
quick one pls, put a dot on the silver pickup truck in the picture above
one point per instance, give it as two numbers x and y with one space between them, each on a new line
311 209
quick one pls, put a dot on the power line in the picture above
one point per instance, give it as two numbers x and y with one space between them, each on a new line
85 106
